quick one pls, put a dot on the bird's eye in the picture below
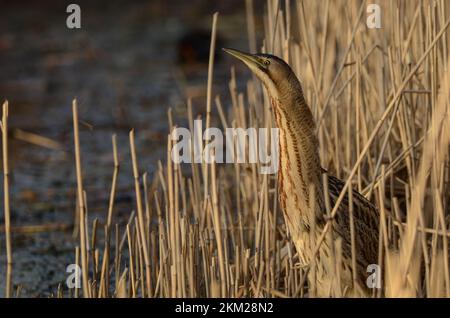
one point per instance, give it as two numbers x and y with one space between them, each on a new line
266 62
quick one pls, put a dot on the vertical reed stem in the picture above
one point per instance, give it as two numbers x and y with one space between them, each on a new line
81 205
9 258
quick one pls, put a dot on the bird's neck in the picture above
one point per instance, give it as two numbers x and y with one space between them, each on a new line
300 166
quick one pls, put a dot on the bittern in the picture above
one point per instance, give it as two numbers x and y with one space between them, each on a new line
300 178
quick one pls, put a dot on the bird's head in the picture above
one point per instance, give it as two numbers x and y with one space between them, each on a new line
271 70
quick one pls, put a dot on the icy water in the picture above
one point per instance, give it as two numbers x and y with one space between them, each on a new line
121 66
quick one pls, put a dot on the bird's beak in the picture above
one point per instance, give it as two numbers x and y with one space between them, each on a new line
247 58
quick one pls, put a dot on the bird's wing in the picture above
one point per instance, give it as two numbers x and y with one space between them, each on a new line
366 223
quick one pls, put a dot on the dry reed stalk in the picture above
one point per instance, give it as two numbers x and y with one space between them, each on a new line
114 180
37 139
217 230
209 95
77 262
81 203
7 212
250 25
104 275
39 228
142 232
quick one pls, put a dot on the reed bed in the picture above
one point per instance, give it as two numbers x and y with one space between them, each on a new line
381 101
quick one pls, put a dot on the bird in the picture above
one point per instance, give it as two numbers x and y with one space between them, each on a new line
301 188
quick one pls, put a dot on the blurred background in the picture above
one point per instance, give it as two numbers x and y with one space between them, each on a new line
128 64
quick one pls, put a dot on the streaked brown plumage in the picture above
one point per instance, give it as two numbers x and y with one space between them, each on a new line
300 173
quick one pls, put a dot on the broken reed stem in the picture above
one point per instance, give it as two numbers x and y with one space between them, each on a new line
212 51
114 180
217 229
141 223
7 215
104 277
81 202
